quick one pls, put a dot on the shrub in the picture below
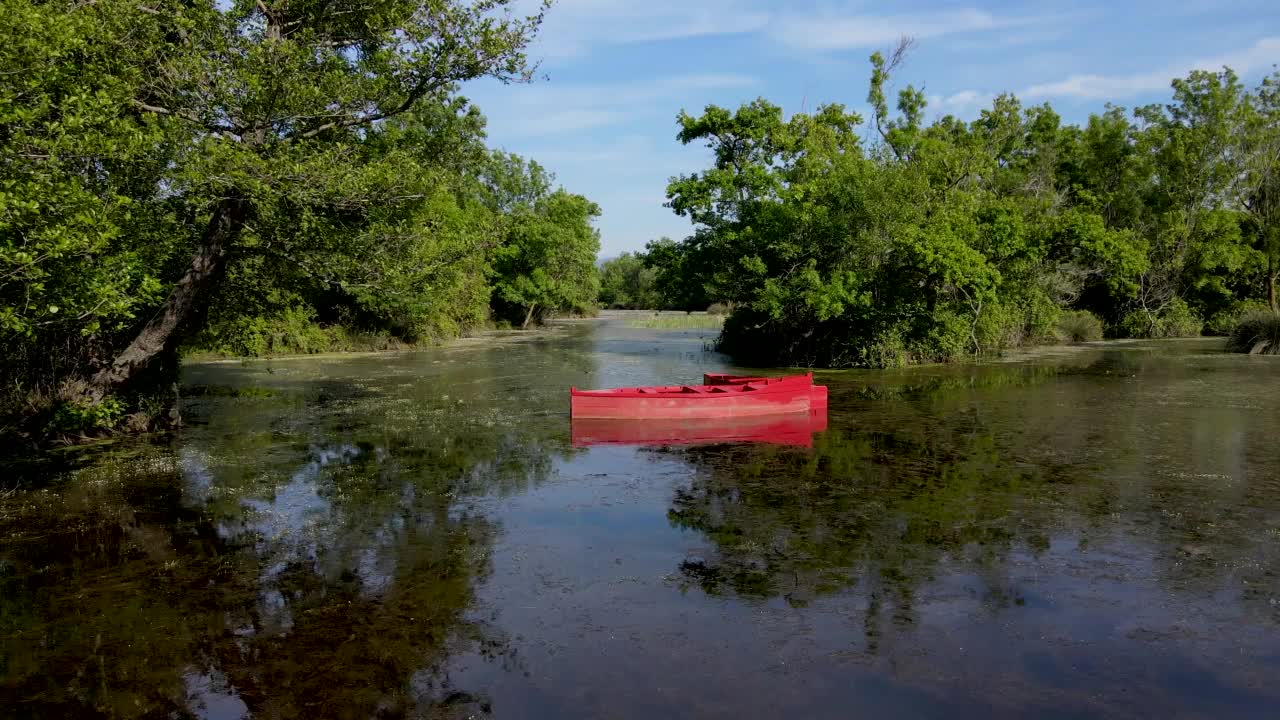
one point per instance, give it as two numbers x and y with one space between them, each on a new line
1079 326
1256 333
290 331
75 416
947 337
1225 321
888 351
1174 321
1001 326
720 309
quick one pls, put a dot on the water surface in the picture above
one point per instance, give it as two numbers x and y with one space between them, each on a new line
1086 532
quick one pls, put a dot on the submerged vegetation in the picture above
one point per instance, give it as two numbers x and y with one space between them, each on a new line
848 241
256 177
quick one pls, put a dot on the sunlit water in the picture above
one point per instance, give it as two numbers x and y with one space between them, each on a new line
1087 532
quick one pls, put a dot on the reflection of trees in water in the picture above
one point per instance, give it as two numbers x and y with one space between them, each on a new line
260 573
961 473
795 525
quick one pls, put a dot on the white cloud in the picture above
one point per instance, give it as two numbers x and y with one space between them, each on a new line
627 176
617 152
551 121
1264 53
1260 55
573 27
839 31
963 99
548 108
964 103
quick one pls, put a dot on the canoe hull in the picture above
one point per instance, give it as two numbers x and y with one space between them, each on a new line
728 405
793 429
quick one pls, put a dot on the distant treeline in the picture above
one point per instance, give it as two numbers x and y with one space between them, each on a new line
844 241
252 177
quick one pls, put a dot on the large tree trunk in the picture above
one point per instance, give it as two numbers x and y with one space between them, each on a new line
158 334
528 317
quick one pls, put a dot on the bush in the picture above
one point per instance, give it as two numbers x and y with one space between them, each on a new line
1174 321
78 417
1256 333
889 351
291 331
946 337
719 309
1079 326
1225 321
1001 326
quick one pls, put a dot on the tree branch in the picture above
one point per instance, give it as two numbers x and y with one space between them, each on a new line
212 127
416 94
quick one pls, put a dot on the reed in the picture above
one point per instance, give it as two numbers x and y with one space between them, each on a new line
678 321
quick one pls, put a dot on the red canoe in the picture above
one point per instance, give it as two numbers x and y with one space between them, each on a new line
721 396
817 396
765 396
793 429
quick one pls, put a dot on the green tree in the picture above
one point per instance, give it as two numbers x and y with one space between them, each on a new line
681 273
236 175
959 238
176 139
1259 183
626 282
545 261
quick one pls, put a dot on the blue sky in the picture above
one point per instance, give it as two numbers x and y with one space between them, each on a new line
617 72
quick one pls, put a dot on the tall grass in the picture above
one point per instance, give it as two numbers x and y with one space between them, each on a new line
678 321
1079 326
1257 333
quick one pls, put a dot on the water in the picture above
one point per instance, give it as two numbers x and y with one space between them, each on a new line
1087 532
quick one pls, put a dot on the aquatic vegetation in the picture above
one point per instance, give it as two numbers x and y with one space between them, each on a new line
413 535
678 321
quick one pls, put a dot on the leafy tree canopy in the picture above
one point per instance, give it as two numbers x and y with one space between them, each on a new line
849 244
